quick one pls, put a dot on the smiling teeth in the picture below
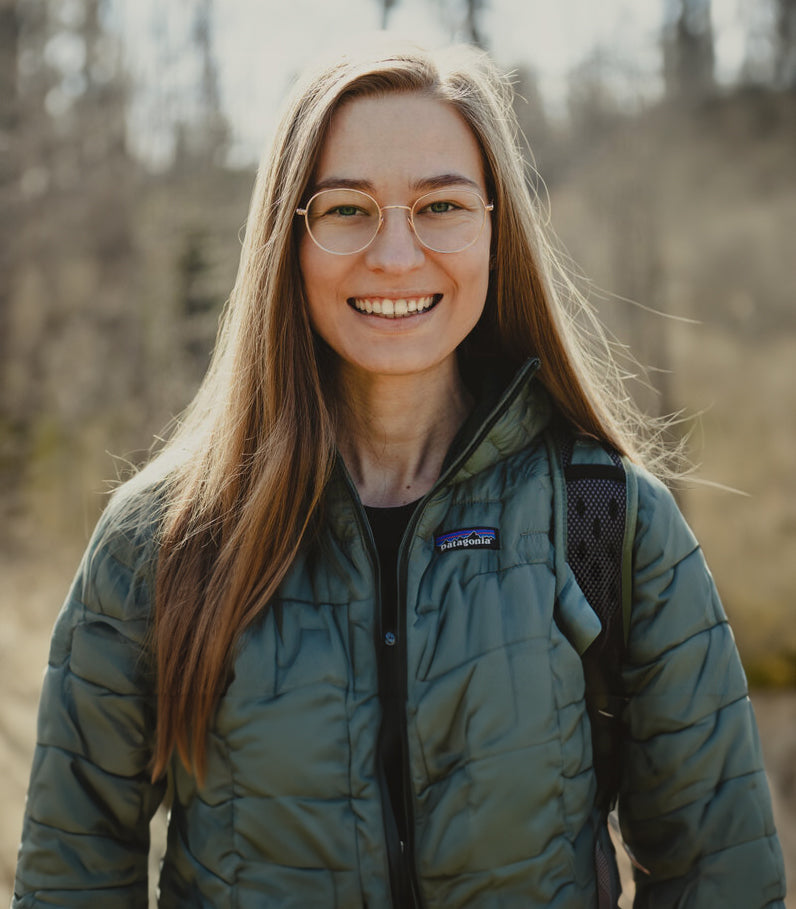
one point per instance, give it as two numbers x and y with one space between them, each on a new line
393 309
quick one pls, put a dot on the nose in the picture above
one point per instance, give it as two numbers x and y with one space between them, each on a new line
396 248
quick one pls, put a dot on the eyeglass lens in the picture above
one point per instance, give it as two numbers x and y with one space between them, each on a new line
347 220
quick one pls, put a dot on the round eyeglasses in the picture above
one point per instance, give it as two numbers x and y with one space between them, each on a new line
346 221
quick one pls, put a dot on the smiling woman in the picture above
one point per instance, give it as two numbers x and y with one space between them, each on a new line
335 616
394 307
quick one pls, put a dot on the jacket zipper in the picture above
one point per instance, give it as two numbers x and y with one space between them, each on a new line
408 848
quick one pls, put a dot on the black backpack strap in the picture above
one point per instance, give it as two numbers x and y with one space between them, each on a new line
595 505
596 540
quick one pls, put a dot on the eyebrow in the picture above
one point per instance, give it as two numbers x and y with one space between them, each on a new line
438 181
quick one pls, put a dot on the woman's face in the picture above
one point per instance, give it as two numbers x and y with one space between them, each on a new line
396 148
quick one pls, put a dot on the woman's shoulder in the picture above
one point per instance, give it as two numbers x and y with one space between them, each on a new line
117 573
674 596
130 522
661 529
108 610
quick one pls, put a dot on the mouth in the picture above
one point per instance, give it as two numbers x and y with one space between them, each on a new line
399 308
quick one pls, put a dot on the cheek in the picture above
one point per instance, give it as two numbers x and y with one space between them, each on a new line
479 275
477 287
314 278
482 252
307 264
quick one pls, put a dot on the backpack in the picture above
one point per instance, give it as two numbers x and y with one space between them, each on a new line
600 513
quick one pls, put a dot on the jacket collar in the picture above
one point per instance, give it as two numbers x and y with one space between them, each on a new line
503 422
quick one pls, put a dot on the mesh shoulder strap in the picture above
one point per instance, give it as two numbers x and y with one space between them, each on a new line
598 541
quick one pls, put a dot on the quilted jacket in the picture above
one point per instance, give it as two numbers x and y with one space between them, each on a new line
496 741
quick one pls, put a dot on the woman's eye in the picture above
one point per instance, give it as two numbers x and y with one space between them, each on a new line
441 207
345 211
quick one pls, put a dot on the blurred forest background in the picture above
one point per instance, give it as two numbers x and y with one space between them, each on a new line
679 205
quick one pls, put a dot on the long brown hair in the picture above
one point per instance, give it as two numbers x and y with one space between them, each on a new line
245 471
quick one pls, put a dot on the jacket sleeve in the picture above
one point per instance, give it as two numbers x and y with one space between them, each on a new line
85 838
694 804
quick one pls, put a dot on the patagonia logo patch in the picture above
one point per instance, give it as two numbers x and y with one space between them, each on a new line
468 538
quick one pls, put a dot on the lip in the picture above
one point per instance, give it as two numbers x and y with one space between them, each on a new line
394 306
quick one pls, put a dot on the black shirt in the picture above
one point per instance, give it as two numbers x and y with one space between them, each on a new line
388 526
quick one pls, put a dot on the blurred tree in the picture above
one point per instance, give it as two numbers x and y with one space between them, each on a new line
614 163
68 297
192 265
10 161
10 173
547 153
28 79
203 137
633 206
593 108
785 45
197 300
688 55
473 31
97 128
386 6
461 17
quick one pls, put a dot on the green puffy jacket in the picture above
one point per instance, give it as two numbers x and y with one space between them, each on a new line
497 742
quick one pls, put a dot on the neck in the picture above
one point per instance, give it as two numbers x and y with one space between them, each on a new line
396 430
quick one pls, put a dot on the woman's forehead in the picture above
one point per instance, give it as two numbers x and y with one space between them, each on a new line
398 139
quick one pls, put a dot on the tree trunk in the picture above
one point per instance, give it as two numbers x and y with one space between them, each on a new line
688 54
9 165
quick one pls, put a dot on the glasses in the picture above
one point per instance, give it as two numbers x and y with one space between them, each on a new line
346 221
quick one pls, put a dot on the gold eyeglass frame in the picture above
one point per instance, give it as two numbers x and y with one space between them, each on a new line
487 207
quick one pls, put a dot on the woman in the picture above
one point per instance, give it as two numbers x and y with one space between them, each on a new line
271 619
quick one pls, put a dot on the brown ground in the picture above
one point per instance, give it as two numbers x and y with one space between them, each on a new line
29 599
